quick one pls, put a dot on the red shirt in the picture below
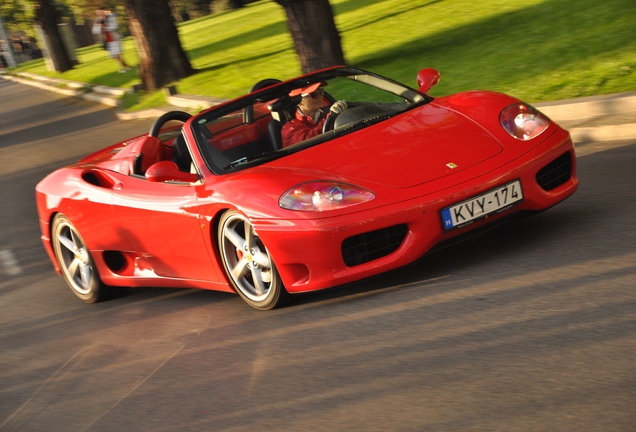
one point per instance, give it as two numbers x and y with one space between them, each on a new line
301 128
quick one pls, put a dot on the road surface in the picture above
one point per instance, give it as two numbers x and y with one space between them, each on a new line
530 327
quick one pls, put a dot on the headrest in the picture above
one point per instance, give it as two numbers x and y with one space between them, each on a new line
285 103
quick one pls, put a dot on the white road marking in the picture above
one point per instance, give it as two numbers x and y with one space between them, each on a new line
9 263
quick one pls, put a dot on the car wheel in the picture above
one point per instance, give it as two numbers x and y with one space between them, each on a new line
247 263
76 263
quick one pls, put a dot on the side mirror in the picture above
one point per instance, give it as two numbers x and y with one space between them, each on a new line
168 171
426 79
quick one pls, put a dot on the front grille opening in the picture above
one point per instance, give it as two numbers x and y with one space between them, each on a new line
370 246
556 172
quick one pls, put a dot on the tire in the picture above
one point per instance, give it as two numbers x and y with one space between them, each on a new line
76 263
247 263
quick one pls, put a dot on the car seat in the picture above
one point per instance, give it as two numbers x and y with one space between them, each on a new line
282 111
181 155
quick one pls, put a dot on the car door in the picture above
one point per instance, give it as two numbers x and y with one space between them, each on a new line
160 221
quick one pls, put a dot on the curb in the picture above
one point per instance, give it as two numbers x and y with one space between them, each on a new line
42 85
190 101
95 93
142 114
612 117
595 118
590 107
604 133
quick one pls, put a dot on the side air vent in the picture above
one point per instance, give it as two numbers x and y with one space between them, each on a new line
97 178
115 260
366 247
556 172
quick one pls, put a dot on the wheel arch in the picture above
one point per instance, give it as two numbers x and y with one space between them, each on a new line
281 293
47 240
213 241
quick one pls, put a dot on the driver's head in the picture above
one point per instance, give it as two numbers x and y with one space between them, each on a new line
306 91
312 97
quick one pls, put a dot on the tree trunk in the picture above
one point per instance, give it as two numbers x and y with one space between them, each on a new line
161 56
175 11
313 29
48 17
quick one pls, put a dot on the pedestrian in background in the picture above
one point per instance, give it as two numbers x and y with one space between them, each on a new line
106 25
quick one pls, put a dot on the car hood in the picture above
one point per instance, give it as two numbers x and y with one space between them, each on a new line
413 148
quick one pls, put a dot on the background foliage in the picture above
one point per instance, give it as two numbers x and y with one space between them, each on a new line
17 15
536 50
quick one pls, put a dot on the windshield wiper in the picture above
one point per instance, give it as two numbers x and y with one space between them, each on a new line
361 124
244 160
236 163
379 118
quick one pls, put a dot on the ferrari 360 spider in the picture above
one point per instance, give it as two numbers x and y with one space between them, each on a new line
298 186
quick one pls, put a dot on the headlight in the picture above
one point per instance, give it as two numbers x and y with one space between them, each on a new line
324 195
523 121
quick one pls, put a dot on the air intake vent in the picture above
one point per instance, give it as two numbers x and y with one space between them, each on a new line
97 178
370 246
556 172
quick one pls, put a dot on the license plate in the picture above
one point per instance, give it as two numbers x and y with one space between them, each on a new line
482 206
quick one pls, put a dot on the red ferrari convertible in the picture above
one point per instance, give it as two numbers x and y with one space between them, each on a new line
298 186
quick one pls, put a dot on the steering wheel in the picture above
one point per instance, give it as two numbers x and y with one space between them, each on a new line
330 122
172 115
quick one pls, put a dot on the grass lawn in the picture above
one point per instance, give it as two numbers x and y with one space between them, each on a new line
536 50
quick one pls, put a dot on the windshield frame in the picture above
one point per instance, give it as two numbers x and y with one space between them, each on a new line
219 164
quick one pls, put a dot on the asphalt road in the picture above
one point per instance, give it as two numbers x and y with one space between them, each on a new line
530 327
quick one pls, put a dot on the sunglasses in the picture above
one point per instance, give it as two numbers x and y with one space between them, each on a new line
315 95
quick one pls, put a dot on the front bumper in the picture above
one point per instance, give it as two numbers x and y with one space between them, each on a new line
308 253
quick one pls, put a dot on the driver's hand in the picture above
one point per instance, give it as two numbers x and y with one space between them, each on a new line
338 107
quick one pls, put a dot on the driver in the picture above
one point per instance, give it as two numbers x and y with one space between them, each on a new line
310 117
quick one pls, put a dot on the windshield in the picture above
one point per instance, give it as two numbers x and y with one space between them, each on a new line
294 115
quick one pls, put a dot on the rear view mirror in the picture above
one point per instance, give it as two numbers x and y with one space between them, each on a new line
426 79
